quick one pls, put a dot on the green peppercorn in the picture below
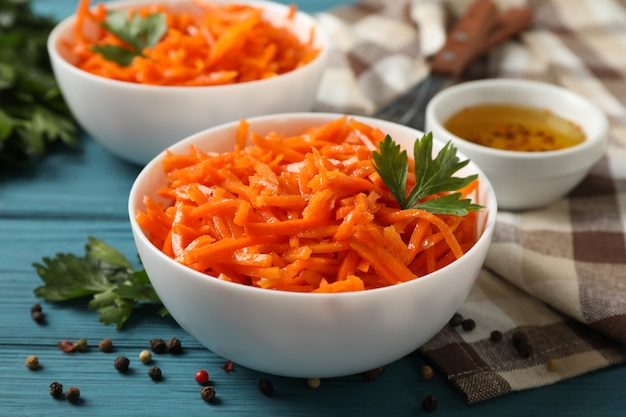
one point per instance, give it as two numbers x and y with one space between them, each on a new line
80 345
55 389
32 362
105 345
373 373
72 394
426 372
429 403
468 325
208 394
266 387
313 382
157 345
121 363
155 373
145 356
456 320
173 345
496 336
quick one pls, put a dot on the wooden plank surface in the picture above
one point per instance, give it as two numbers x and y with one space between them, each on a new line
56 205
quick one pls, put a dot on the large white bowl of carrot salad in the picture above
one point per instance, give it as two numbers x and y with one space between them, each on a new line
276 242
141 75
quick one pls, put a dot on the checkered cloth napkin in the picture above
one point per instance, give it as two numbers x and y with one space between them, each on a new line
554 281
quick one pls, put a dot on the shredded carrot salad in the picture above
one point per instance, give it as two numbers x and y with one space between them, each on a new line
205 44
303 213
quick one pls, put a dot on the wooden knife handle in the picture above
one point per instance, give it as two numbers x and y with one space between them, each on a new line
509 23
467 36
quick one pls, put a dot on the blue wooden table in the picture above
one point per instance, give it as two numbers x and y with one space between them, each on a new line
54 206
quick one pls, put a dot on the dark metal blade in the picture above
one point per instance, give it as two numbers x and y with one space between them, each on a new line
410 108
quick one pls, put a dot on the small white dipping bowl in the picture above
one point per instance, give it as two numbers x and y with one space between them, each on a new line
136 122
524 180
307 334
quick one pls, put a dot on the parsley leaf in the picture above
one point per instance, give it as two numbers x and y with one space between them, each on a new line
33 113
104 274
136 31
432 176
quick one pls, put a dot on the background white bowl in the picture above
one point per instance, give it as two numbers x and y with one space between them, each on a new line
136 122
307 335
524 180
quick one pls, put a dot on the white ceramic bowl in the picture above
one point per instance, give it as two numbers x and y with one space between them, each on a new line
524 180
306 334
136 122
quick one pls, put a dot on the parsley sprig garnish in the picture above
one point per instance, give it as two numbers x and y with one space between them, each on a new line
432 176
137 32
104 274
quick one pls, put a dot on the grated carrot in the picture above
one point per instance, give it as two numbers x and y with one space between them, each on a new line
315 224
205 44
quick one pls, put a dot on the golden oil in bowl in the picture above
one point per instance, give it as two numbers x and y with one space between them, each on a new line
514 127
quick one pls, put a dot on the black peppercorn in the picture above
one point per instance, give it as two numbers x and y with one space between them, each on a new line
121 363
105 345
456 320
157 345
155 373
266 387
173 345
35 307
373 373
207 394
496 336
524 349
56 389
72 394
468 324
37 316
429 403
519 337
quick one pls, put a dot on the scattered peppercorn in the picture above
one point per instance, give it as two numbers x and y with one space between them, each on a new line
266 387
202 377
32 362
173 345
373 373
105 345
155 373
80 345
208 394
35 307
553 365
121 363
429 403
38 316
521 344
55 389
426 372
72 394
314 382
145 356
228 366
66 346
157 345
496 336
456 320
468 325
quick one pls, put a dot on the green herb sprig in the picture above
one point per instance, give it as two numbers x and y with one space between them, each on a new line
432 176
104 274
137 32
33 113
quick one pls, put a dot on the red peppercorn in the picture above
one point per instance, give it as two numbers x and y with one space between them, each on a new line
202 377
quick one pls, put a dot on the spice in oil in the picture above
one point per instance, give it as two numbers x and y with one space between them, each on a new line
514 127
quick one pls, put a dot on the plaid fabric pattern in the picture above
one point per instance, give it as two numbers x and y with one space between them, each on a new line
557 274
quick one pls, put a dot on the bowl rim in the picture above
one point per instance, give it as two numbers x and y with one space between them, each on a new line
590 141
65 24
145 173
